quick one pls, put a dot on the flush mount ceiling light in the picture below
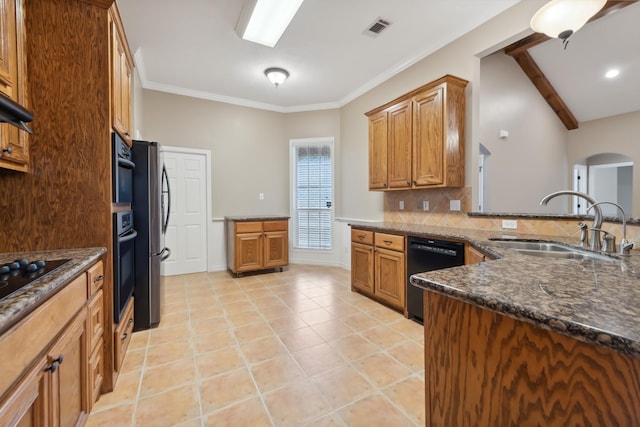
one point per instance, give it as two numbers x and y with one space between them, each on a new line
264 21
612 73
276 75
561 18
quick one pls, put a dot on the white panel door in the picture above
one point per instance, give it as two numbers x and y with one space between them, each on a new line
186 234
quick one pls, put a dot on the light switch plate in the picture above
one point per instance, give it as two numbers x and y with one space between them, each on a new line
401 204
260 196
454 205
511 224
425 205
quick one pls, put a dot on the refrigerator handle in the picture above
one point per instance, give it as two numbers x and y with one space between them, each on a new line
165 184
165 253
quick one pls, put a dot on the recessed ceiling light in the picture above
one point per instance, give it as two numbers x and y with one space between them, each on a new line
612 73
264 21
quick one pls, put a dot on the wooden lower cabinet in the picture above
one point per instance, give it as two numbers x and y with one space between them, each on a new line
123 334
257 245
486 369
54 392
69 392
390 277
54 373
362 262
95 331
28 405
378 266
473 256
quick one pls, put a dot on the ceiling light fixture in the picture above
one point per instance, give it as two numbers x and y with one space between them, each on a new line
561 18
276 75
264 21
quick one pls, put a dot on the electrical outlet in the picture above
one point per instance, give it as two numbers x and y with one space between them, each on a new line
511 224
425 205
401 204
454 205
260 196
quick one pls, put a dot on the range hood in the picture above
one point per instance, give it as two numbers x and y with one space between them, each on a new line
14 114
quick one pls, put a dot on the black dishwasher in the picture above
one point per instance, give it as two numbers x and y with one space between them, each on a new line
425 254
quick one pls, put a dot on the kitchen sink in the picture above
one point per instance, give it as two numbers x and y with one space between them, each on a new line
550 250
533 246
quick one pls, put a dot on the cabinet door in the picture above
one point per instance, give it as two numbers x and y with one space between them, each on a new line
276 249
125 94
28 405
69 385
473 256
117 58
120 83
390 275
378 151
362 267
428 139
8 47
249 251
14 152
399 146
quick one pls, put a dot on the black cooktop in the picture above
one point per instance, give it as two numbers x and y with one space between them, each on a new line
21 272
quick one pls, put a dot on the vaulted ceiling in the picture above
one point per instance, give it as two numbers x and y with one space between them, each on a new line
573 81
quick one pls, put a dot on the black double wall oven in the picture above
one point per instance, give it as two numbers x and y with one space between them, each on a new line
124 233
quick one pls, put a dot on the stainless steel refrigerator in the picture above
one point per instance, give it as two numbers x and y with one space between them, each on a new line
151 209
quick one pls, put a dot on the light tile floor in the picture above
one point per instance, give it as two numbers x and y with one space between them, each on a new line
295 348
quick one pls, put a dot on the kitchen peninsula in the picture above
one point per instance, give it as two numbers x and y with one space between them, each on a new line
525 340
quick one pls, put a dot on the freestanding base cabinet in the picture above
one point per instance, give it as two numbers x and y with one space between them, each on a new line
257 243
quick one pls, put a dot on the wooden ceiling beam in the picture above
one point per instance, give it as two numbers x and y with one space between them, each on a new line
545 88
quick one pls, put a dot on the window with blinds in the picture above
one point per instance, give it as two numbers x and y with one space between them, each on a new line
313 193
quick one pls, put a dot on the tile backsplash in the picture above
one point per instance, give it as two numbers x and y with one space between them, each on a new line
439 214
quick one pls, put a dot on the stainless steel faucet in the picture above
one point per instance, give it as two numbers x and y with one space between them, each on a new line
625 246
595 242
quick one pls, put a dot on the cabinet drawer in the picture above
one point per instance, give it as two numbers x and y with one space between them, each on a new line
95 276
248 227
96 374
96 320
29 337
361 236
275 225
122 335
390 241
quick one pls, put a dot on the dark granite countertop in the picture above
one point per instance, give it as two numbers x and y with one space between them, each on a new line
593 301
549 216
17 305
256 218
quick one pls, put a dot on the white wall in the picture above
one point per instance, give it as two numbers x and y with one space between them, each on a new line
532 161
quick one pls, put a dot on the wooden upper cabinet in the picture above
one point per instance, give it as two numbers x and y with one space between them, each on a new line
399 146
378 151
429 151
422 136
121 77
8 47
14 144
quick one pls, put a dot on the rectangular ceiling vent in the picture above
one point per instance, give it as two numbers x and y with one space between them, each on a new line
376 27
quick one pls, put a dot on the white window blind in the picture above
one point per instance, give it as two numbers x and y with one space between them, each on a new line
313 189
